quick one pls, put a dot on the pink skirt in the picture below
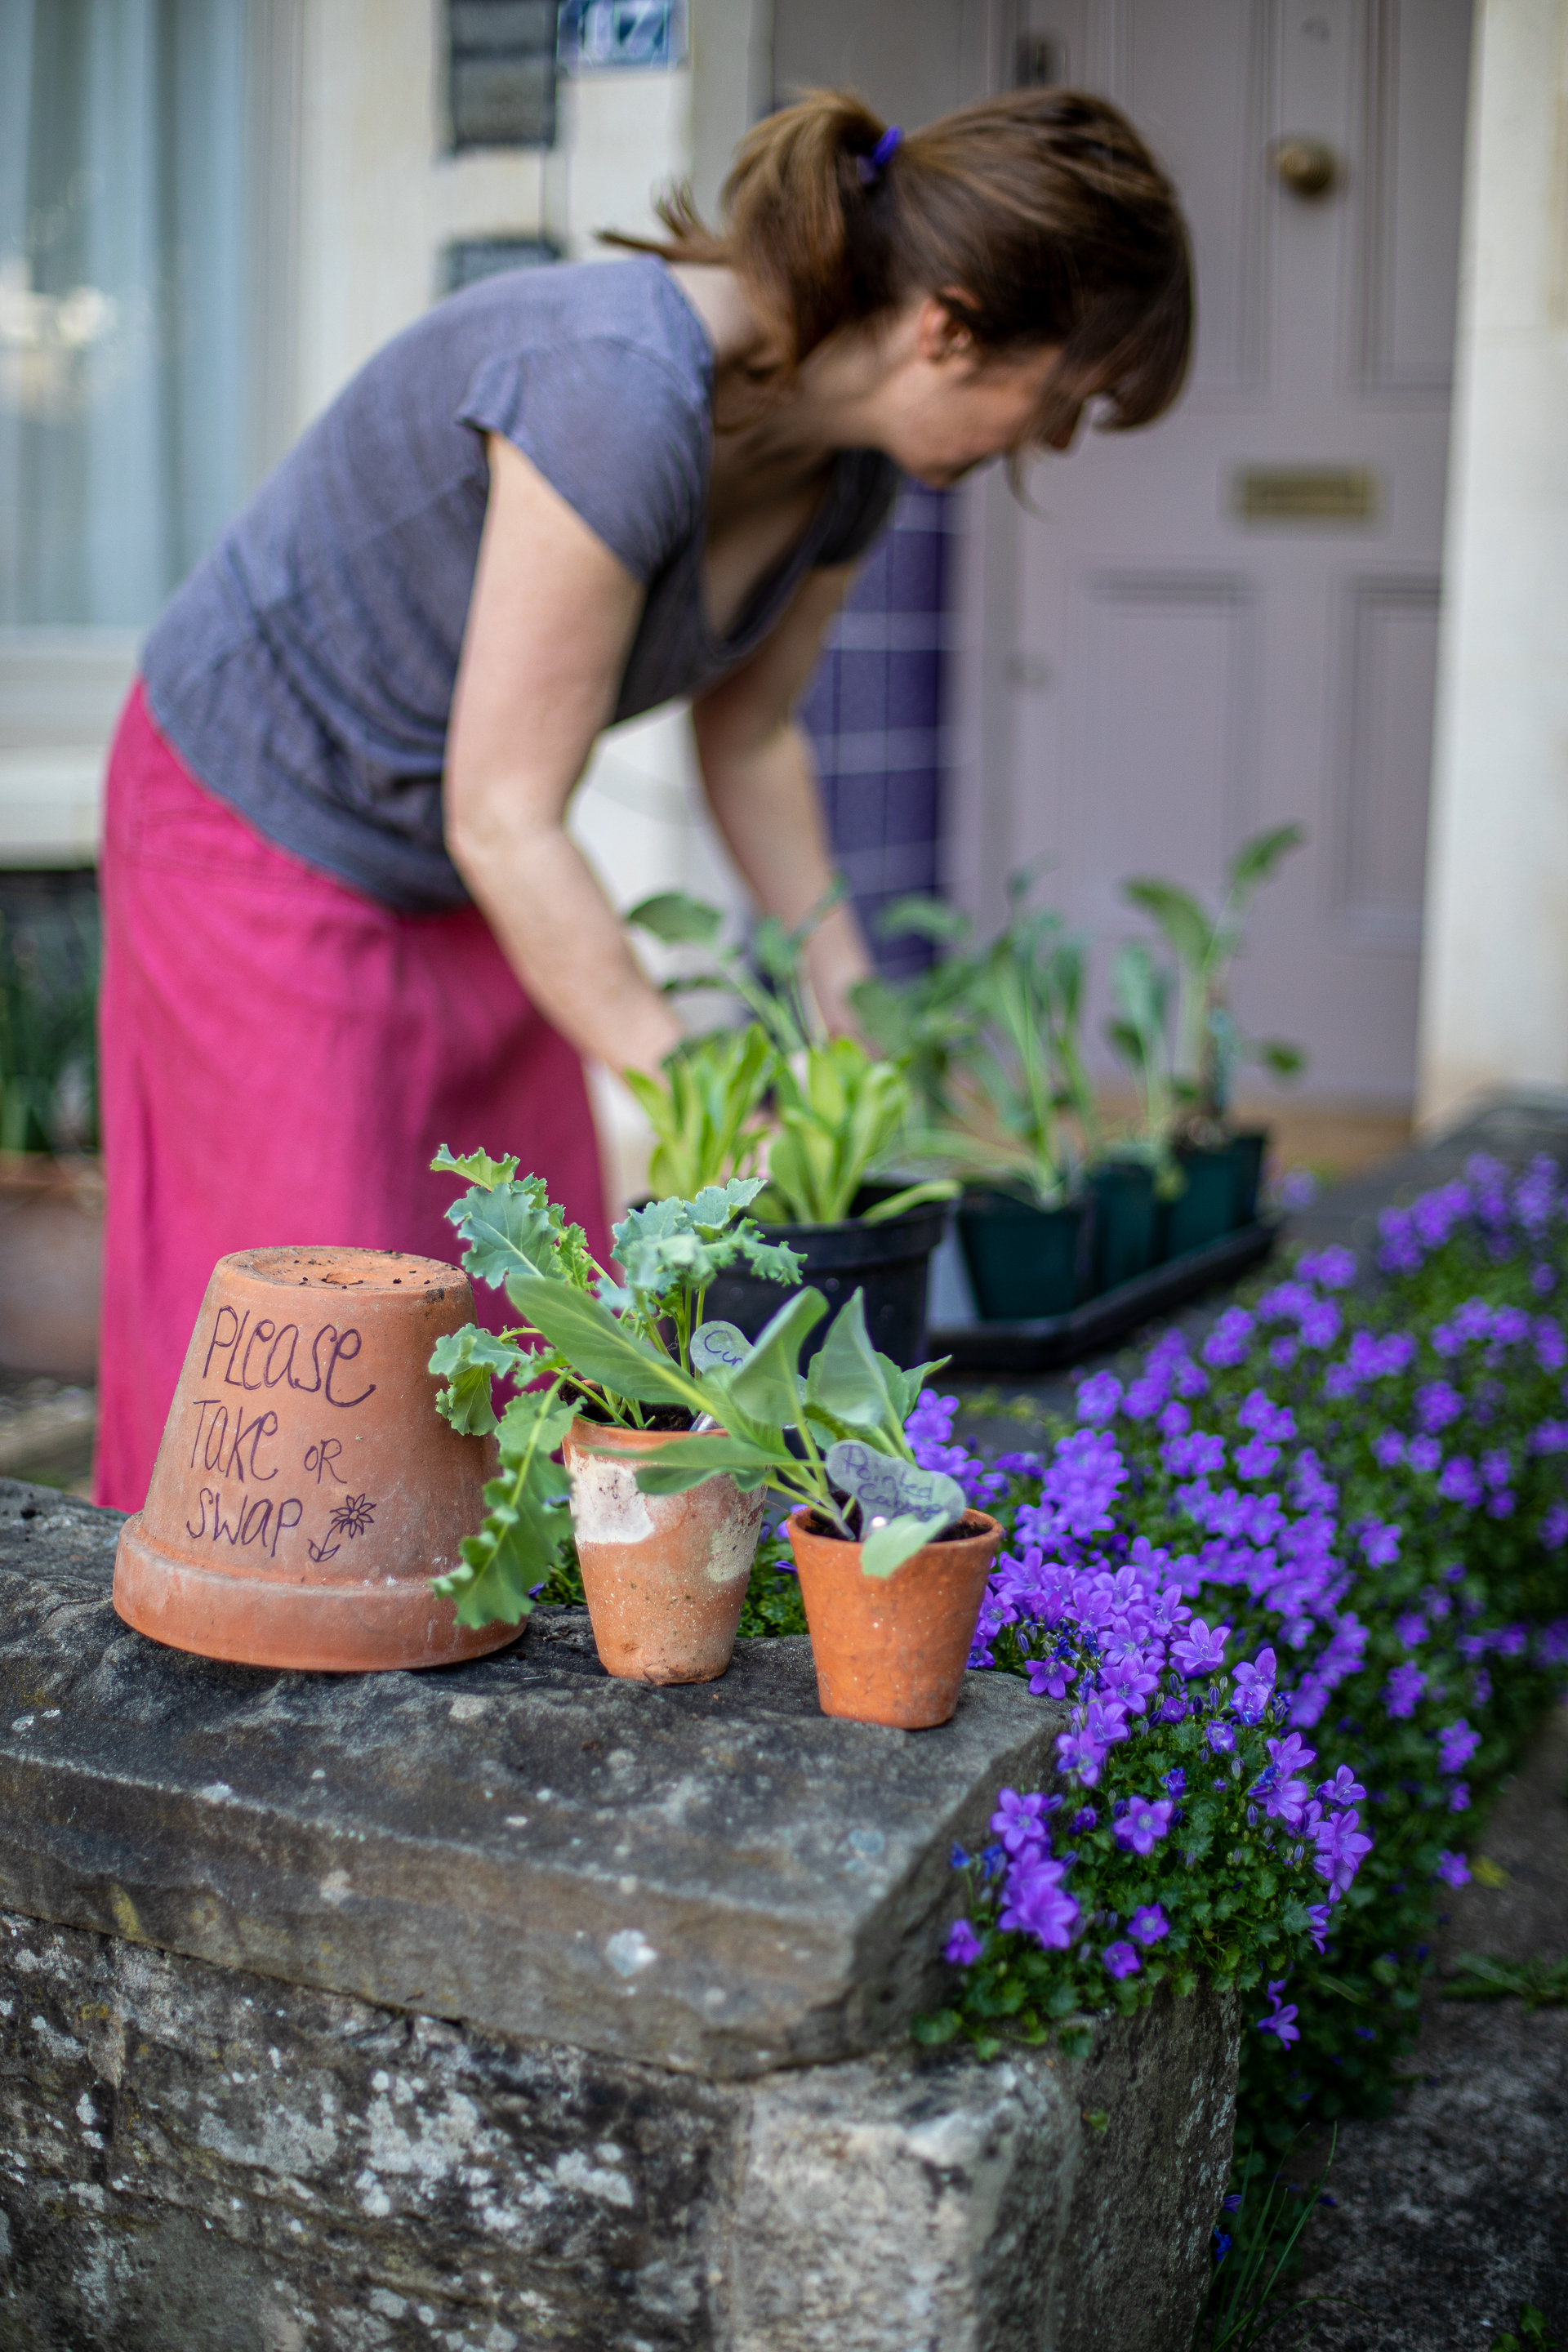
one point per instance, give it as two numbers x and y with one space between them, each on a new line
279 1059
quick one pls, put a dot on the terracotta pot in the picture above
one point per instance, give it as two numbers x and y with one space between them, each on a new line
306 1490
664 1576
51 1247
892 1649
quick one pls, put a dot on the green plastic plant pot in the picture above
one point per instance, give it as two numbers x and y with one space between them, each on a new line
1247 1152
1123 1242
1023 1262
1205 1210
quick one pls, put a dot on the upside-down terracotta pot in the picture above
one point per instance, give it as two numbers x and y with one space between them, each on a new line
892 1649
306 1490
664 1576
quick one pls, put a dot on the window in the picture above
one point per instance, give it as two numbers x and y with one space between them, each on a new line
144 384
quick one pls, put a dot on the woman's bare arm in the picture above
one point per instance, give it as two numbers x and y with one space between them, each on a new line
761 783
551 620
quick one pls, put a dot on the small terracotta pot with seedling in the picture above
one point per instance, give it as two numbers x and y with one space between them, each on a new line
304 1493
618 1385
892 1586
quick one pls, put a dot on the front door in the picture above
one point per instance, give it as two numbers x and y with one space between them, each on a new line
1230 619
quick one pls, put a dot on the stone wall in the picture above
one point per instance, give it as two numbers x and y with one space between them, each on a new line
510 2007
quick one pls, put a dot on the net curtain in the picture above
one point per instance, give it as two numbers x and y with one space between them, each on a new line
124 365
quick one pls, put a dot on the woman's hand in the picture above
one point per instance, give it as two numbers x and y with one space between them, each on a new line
551 623
761 783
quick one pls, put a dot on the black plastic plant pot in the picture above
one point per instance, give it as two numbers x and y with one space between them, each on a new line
1023 1261
1123 1238
890 1261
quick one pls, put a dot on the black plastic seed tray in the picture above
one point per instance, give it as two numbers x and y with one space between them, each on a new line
1054 1340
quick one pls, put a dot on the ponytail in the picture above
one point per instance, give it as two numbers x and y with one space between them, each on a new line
1038 218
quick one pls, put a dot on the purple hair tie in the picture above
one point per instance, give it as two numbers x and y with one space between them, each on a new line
871 167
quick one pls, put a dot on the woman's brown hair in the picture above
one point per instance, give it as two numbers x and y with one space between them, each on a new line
1037 218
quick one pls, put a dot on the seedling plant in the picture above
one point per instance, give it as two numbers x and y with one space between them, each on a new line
638 1352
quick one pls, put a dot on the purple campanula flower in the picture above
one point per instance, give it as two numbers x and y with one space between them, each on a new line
1176 1419
1457 1743
1437 1405
1550 1437
1342 1846
1380 1543
1459 1798
1120 1960
1227 1343
1176 1783
1401 1691
1410 1630
1099 1397
1144 1823
1331 1269
1019 1822
1148 1924
1297 1189
1459 1483
1198 1651
1259 1414
1282 2017
963 1946
1425 1454
1282 1353
1254 1686
1084 1819
1453 1870
1344 1789
1388 1449
1290 1754
1221 1739
1481 1685
1039 1906
1497 1468
1318 1924
1256 1459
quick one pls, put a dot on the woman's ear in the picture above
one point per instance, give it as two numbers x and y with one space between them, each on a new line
940 332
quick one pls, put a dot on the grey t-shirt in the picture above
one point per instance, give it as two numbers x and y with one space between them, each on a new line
305 670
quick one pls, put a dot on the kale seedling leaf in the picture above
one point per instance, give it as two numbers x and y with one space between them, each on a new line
476 1167
467 1360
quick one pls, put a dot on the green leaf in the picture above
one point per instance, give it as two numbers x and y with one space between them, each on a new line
676 920
509 1230
1178 915
845 1377
1284 1060
526 1520
675 1469
913 1196
917 917
475 1167
937 2026
888 1546
467 1360
1256 860
598 1348
767 1387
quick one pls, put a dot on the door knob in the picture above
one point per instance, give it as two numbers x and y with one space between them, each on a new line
1307 167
